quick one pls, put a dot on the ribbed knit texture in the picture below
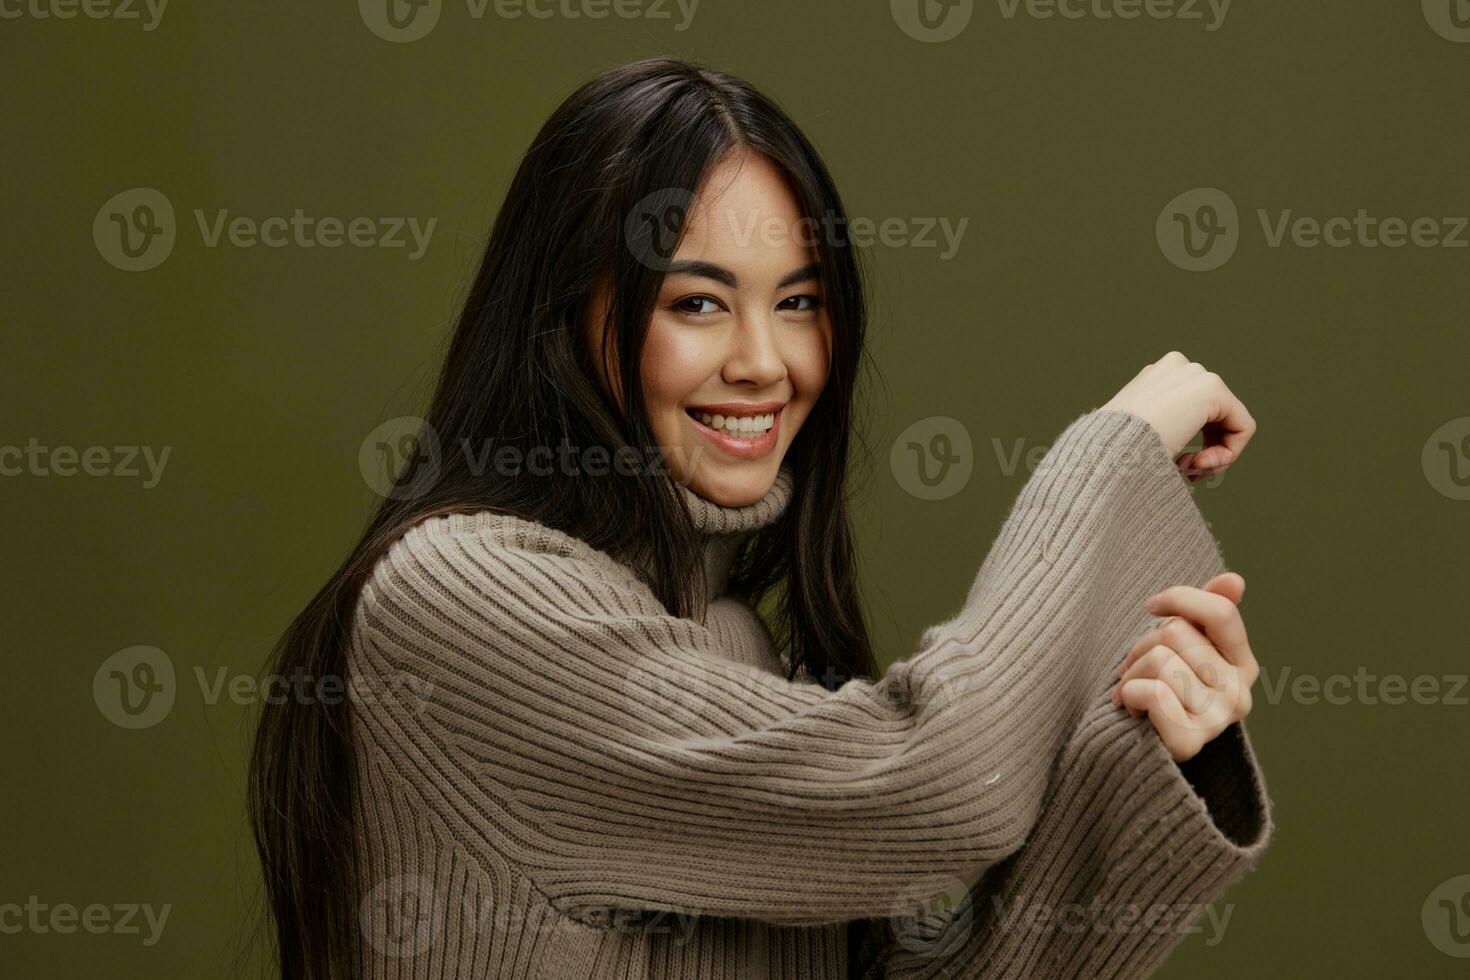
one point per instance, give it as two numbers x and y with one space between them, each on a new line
578 751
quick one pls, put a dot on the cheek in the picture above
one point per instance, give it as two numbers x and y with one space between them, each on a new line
674 366
809 360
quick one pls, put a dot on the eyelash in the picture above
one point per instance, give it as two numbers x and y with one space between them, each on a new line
679 306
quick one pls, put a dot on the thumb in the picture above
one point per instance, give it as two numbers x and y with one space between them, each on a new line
1231 585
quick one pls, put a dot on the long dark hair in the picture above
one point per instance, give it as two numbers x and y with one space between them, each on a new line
601 183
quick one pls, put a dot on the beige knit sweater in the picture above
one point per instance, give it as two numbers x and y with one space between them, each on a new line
586 786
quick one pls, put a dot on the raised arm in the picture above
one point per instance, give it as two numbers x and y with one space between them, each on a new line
617 757
1128 856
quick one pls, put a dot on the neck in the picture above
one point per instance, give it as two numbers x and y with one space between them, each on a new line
724 529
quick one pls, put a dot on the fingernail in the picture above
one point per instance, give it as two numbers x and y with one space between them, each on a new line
1152 605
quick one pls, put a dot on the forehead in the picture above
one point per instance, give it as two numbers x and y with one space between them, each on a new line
746 215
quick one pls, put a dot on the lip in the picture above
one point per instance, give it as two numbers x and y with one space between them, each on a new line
732 446
738 408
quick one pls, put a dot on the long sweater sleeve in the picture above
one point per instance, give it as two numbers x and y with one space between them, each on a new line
1124 863
619 758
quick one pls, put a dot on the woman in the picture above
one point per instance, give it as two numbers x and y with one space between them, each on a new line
613 767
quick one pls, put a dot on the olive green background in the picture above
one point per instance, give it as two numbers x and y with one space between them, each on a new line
1060 140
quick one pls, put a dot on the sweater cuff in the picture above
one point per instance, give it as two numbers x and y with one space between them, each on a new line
1118 871
1200 825
1228 782
1174 837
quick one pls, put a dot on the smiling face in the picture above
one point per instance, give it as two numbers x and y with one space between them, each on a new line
739 343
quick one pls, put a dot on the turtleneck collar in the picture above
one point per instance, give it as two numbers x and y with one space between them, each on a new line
726 528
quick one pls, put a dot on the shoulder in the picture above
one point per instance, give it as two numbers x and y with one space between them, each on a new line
492 530
457 561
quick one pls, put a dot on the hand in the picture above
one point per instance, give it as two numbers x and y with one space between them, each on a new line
1191 674
1179 398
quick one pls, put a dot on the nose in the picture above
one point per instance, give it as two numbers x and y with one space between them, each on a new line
755 356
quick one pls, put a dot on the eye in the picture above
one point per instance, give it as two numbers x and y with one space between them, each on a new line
693 305
811 303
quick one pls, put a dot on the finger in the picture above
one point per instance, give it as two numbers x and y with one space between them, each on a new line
1197 652
1213 613
1164 664
1189 465
1151 639
1151 696
1221 448
1209 460
1239 673
1228 428
1142 645
1220 691
1229 421
1229 584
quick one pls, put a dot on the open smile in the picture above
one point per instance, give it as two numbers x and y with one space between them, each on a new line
743 431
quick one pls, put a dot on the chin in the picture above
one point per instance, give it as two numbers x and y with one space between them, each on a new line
735 484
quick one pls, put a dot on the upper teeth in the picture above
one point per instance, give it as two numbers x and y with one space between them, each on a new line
738 424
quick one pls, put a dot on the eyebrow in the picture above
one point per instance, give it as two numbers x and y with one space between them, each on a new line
708 270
